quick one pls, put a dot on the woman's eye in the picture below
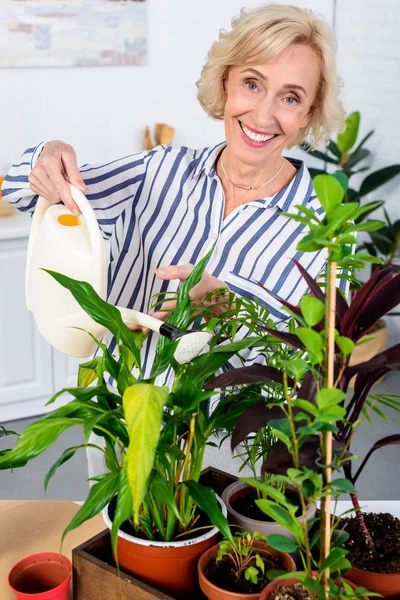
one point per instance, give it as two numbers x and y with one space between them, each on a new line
251 85
291 100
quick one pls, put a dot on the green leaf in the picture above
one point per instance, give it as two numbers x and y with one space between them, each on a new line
4 431
123 509
206 500
306 405
125 377
341 216
355 158
282 516
345 344
328 397
347 138
282 543
368 226
312 341
342 179
366 209
179 317
87 372
282 437
336 560
333 147
143 408
318 154
103 313
346 238
270 490
36 438
65 456
361 144
307 211
296 367
344 486
329 191
99 496
248 342
160 490
251 574
378 178
312 310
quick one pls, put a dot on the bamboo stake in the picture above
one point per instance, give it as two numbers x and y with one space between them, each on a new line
326 512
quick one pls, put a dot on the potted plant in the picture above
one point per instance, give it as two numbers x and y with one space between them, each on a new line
312 422
344 156
154 441
240 497
238 569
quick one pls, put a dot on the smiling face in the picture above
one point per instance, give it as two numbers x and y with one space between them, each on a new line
267 104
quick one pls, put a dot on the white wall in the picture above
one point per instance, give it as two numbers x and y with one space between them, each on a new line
102 111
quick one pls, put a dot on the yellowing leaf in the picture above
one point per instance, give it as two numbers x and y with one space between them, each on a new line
143 408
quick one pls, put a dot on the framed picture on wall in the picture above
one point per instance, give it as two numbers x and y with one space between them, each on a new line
72 33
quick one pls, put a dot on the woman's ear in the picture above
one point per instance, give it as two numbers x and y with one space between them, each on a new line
225 76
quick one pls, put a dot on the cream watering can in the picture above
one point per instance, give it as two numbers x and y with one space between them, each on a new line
74 246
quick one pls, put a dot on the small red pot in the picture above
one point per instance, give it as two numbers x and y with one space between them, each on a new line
387 584
213 592
44 576
277 583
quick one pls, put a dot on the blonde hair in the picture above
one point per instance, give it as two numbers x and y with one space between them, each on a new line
260 34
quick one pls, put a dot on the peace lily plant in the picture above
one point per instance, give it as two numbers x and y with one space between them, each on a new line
154 438
311 419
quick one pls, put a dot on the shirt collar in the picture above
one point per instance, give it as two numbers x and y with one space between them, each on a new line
299 188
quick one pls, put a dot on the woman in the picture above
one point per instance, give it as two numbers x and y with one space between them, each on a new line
272 80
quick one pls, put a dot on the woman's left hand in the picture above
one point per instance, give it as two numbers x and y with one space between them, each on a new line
207 284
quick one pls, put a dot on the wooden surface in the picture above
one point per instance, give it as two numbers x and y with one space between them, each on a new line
96 577
27 527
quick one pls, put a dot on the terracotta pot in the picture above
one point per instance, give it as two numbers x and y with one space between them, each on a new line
274 585
169 566
370 349
240 488
387 584
214 592
44 576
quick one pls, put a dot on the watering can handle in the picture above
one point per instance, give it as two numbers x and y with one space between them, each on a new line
96 241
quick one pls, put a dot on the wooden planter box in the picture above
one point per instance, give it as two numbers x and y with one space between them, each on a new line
95 576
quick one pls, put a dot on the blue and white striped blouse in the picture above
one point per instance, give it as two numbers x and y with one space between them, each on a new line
166 206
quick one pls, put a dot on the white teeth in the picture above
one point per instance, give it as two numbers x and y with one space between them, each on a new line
256 137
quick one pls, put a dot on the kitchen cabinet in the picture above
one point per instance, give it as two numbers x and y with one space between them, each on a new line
31 371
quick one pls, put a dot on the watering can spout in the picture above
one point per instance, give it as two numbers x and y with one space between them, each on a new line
59 241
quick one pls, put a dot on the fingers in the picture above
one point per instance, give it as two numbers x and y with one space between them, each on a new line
72 171
180 272
133 327
60 187
55 168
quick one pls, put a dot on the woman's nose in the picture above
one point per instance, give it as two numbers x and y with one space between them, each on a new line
265 114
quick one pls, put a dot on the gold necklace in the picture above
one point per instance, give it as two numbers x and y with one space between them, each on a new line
250 187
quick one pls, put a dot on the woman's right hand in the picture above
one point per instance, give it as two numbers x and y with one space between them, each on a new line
55 167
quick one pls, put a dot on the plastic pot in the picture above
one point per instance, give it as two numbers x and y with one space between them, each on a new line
240 488
276 584
213 592
44 576
168 566
387 584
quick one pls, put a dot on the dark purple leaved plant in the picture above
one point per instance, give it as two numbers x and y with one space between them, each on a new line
378 296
